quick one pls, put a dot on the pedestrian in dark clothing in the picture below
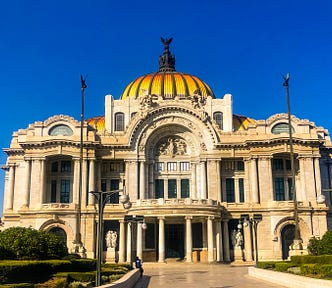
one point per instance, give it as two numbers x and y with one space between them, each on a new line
138 264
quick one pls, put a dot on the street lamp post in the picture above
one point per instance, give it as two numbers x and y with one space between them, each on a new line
254 222
102 198
297 242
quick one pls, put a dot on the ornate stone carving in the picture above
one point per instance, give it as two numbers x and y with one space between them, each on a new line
172 147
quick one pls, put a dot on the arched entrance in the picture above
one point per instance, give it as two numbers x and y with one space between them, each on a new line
60 233
287 237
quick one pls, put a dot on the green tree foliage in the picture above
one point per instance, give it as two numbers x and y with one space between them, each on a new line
321 246
27 243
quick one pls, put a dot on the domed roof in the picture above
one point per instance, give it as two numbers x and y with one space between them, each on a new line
167 82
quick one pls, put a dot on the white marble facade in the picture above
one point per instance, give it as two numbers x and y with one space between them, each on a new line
190 166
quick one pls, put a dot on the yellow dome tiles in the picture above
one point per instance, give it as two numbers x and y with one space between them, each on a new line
97 122
242 122
168 85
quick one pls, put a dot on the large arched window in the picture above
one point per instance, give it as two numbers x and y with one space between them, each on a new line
119 121
218 117
281 128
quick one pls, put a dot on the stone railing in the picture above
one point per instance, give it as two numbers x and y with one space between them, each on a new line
127 281
175 201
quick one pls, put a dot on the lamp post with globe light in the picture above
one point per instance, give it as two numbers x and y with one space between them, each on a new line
102 198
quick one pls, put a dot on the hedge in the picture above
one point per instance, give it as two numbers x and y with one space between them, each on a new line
308 259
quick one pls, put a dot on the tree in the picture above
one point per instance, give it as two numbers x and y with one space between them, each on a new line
322 246
27 243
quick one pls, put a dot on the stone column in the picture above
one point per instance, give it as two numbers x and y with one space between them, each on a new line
150 181
139 241
43 181
11 184
122 242
265 178
92 183
203 180
142 180
317 176
193 181
161 251
248 241
84 183
129 241
254 181
218 181
27 182
76 180
210 238
189 239
227 257
219 241
213 179
132 180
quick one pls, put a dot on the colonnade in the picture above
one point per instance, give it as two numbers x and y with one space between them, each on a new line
217 235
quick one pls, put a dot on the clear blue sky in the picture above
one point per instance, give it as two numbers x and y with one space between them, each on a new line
240 47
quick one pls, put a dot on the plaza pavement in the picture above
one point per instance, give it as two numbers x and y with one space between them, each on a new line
196 275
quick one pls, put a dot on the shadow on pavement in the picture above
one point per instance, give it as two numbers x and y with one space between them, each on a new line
143 282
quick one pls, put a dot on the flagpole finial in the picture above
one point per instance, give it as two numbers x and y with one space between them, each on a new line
286 79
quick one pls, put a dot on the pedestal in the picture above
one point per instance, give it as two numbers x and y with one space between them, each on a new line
296 249
111 255
238 256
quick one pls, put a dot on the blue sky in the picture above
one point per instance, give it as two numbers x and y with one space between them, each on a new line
240 47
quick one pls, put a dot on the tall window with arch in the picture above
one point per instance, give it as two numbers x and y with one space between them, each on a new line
218 117
119 121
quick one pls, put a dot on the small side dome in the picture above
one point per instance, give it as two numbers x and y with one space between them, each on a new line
167 83
242 122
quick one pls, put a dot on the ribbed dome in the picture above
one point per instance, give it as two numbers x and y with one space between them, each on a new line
168 85
167 82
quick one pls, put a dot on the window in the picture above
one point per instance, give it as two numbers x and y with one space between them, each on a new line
53 191
290 190
172 192
279 189
281 128
218 117
65 191
184 166
277 164
241 189
65 166
117 166
240 166
184 188
171 166
55 166
114 198
61 129
119 121
230 192
159 166
159 188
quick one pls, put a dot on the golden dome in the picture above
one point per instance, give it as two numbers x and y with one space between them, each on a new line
167 82
168 85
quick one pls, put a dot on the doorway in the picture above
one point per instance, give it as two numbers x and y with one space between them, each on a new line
287 238
174 241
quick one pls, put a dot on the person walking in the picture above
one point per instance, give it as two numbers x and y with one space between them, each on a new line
138 264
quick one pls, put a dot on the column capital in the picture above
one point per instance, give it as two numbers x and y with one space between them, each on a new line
188 217
161 217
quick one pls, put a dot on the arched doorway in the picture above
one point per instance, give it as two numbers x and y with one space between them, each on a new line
287 237
60 233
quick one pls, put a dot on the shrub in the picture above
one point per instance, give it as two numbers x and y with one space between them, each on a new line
313 246
325 244
27 243
283 266
267 265
308 259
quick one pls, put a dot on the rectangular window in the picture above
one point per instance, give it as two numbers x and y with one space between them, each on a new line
277 164
197 234
230 193
53 191
159 166
279 189
103 185
184 166
171 166
54 166
241 189
240 165
150 235
288 165
159 188
117 167
290 190
184 188
65 191
229 165
172 188
65 166
114 198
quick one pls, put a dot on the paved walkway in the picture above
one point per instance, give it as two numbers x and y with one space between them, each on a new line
194 275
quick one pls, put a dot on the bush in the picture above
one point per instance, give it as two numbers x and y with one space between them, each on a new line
30 244
325 244
283 266
267 265
313 246
308 259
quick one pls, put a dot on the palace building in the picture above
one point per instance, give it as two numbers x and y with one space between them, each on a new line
191 167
